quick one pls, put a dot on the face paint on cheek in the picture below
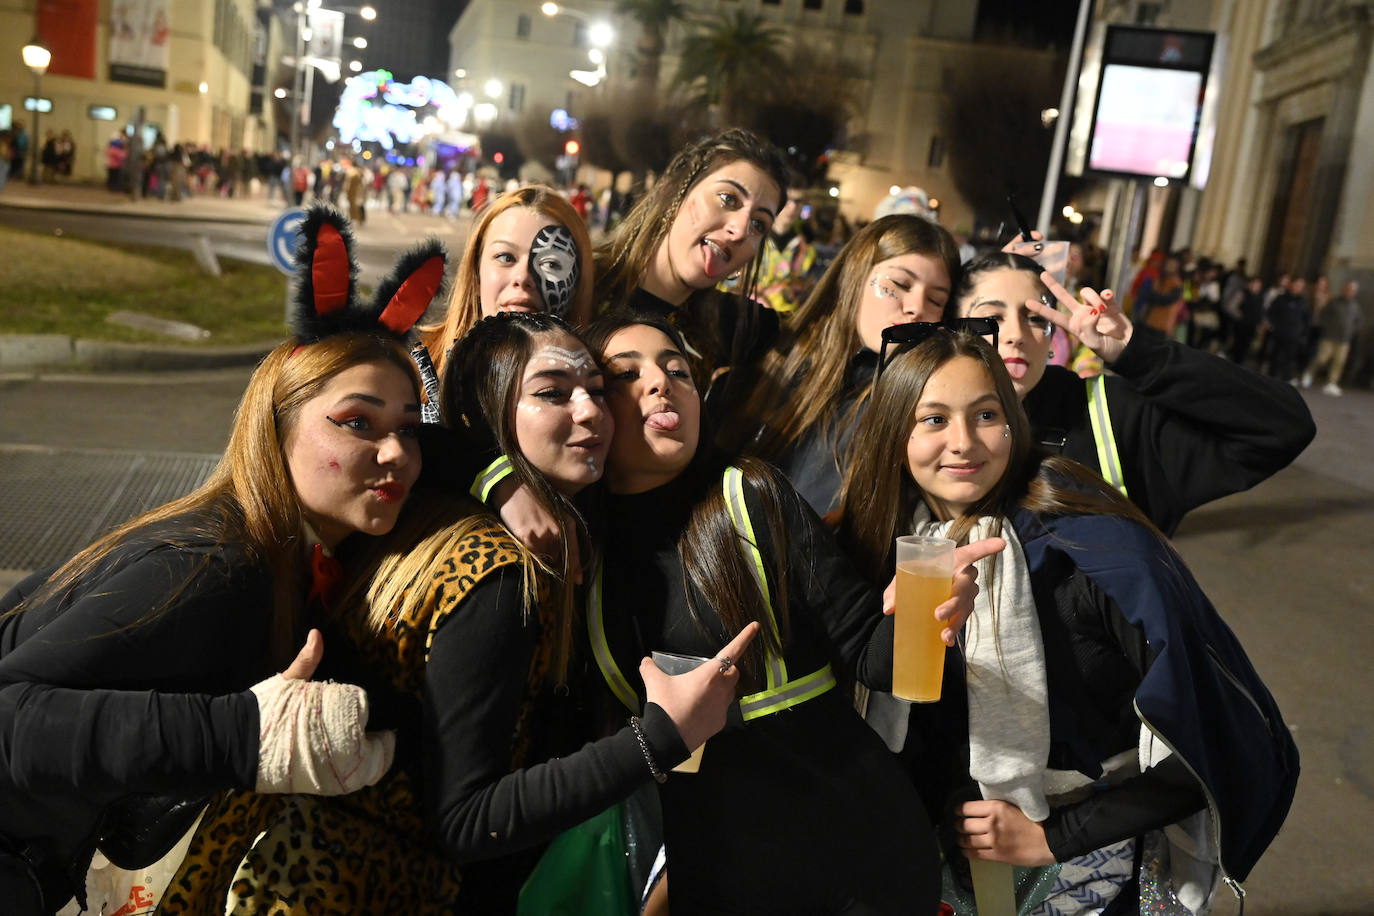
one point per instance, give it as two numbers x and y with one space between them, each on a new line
882 290
554 263
531 408
580 394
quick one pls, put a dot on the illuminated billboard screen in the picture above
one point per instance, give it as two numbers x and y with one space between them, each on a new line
1148 117
1146 121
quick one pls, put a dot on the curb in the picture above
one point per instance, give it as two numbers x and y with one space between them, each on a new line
98 210
54 351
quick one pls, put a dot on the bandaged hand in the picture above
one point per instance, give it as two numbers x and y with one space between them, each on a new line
313 736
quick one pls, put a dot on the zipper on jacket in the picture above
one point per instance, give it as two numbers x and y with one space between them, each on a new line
1235 682
1230 882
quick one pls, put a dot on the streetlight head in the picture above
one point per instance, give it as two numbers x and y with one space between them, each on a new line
280 93
596 56
368 13
204 87
493 88
355 66
460 73
37 56
360 42
1161 182
601 34
549 9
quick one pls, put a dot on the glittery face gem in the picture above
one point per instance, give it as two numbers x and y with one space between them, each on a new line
881 288
554 263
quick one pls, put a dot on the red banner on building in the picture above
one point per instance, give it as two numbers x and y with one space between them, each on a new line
67 27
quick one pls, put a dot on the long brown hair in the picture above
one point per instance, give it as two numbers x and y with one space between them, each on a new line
624 257
480 391
801 381
713 555
249 498
879 496
465 304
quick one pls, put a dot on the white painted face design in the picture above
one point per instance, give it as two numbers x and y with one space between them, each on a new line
553 261
561 423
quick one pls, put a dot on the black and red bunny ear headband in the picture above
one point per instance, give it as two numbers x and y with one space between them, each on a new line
325 299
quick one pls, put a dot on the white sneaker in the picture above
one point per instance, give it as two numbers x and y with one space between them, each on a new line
1307 380
1332 389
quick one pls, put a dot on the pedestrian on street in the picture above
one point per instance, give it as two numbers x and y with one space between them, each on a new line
1289 316
1339 327
19 149
146 664
1247 305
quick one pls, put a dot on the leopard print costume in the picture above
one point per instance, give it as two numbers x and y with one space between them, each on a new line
361 853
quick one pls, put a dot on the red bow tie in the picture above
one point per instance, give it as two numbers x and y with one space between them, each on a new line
325 573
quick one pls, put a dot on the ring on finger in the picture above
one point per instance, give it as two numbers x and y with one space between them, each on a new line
725 664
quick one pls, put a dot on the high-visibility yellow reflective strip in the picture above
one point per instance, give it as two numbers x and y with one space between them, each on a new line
490 476
1108 459
601 650
739 514
767 702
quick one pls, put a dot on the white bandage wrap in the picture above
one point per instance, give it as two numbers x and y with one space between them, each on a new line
313 739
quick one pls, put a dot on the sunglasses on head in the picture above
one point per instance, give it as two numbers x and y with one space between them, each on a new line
902 337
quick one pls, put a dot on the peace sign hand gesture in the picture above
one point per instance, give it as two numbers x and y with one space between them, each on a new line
1097 320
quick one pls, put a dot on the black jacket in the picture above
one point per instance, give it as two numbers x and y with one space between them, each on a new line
156 706
1190 427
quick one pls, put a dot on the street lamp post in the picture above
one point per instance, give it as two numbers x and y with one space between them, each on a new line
600 33
36 58
305 64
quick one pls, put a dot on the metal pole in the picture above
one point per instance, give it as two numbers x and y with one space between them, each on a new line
1061 124
37 111
296 92
305 111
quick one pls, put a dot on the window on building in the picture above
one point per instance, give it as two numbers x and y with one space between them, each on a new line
517 97
1148 13
772 2
936 159
101 112
522 26
812 4
853 7
579 34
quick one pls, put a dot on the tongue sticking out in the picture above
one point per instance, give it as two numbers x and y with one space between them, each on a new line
716 265
1016 368
666 420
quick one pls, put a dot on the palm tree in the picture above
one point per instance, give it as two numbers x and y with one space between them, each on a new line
726 56
654 18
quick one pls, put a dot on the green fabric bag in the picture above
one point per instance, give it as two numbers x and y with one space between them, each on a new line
584 870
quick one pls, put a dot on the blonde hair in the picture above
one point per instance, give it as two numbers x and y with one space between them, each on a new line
465 303
249 497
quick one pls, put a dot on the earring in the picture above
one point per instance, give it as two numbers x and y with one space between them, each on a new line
1050 355
1006 431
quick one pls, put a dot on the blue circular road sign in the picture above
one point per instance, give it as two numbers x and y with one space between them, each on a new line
282 236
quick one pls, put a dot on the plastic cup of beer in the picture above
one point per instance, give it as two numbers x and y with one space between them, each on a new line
925 576
675 664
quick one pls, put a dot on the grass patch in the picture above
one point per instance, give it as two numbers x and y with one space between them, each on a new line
65 285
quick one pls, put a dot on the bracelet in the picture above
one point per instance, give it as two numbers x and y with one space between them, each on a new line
660 777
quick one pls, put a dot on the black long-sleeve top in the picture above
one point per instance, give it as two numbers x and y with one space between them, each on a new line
1190 427
475 680
819 814
97 702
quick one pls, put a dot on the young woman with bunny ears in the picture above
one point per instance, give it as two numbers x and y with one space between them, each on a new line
144 665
